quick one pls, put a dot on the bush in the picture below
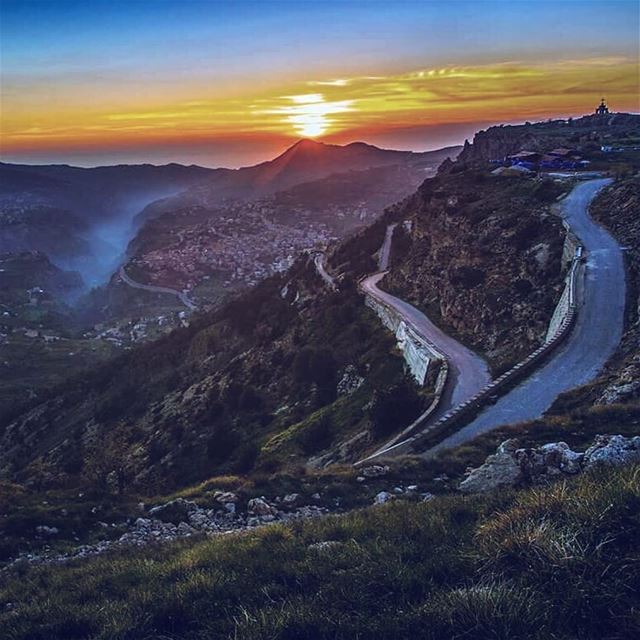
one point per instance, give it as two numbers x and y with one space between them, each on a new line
394 409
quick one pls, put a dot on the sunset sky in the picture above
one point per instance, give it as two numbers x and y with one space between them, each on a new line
232 83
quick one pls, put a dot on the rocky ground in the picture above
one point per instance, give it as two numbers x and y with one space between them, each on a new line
513 466
220 513
224 512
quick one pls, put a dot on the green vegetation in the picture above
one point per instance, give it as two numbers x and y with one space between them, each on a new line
556 562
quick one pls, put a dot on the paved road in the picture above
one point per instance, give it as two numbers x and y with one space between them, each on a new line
597 333
181 295
385 250
468 373
318 260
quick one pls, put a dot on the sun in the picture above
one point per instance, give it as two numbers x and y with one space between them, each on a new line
310 125
310 115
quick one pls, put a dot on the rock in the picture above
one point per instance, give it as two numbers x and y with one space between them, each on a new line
267 518
412 487
360 479
350 381
225 497
113 483
499 470
375 471
316 496
558 454
230 507
427 497
176 511
612 451
44 530
185 530
550 459
382 497
326 546
292 500
260 507
510 466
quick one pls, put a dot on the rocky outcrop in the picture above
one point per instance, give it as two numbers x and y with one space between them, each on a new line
484 261
499 470
497 142
612 450
511 466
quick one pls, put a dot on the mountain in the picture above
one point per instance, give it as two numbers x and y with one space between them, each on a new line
305 161
244 225
258 384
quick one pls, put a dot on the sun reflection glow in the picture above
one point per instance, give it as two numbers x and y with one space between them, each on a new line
310 114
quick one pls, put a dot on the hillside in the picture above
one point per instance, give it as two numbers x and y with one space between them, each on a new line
244 225
255 384
549 562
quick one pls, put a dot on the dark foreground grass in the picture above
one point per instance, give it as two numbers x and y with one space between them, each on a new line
558 562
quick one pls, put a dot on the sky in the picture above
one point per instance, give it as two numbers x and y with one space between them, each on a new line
231 83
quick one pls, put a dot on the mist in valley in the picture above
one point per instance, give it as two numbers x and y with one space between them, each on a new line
108 232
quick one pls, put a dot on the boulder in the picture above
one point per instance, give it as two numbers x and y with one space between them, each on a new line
260 507
550 459
225 497
176 511
292 500
499 470
375 471
612 450
382 497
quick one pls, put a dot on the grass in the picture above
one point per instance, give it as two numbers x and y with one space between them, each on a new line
556 562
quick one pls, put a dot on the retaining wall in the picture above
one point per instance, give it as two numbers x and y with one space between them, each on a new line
418 352
464 412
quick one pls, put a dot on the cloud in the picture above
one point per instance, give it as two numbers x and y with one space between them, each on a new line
414 99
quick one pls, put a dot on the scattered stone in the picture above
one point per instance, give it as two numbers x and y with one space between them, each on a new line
382 497
44 530
292 500
225 497
324 546
350 381
612 451
260 507
376 471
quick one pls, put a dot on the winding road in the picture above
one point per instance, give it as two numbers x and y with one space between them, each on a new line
318 260
468 373
594 338
181 295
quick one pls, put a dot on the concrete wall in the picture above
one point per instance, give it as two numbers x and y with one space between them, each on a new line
465 412
571 251
417 351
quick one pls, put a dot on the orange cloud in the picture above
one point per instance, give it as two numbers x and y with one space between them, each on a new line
429 96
